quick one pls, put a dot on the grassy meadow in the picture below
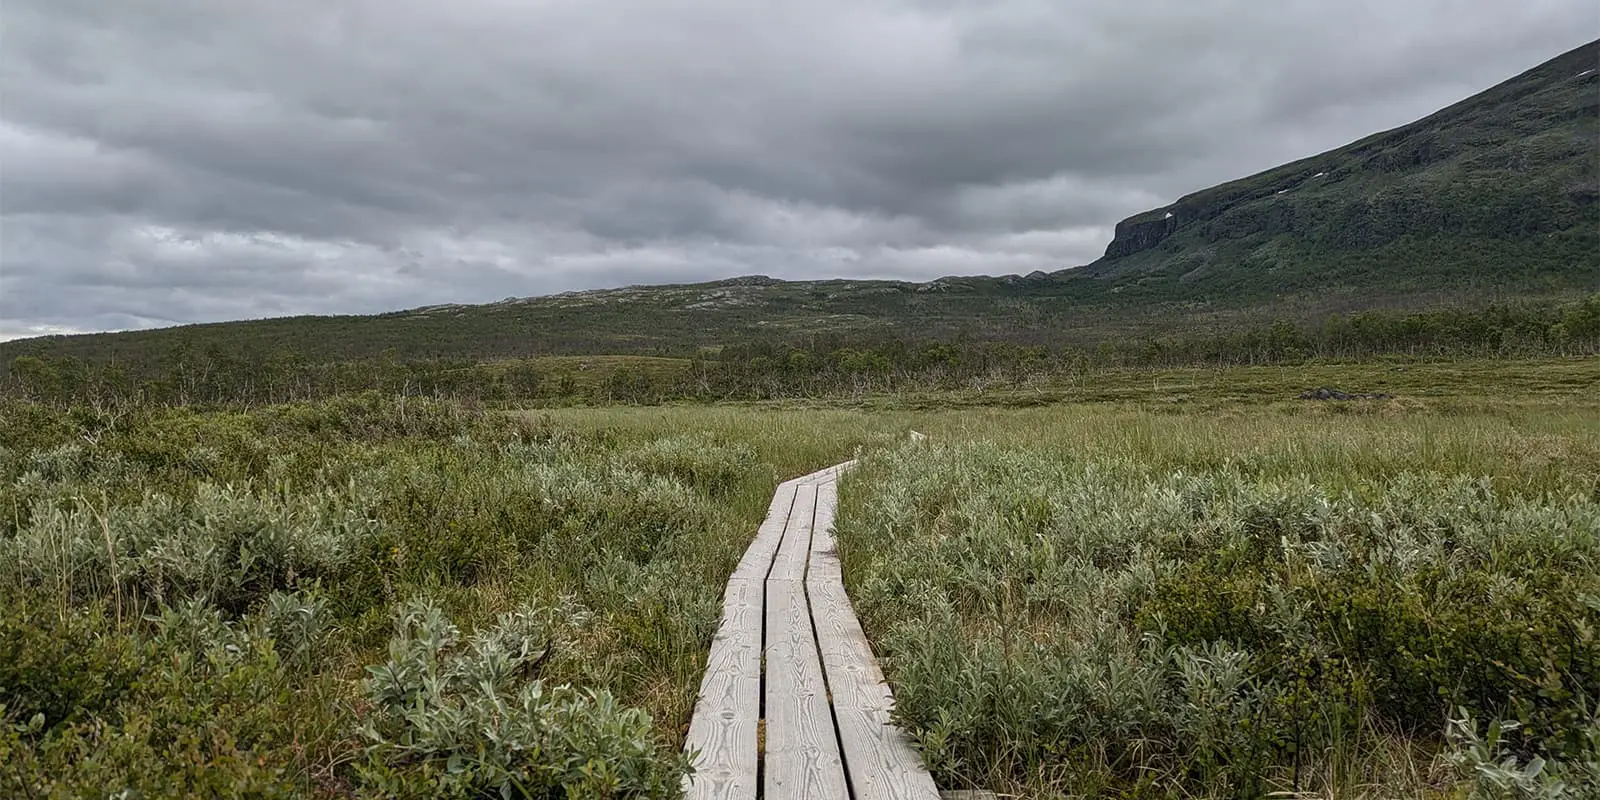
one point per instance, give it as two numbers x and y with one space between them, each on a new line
1178 583
356 597
1235 604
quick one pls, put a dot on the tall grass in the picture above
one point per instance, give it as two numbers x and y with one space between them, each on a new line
1114 602
351 596
395 598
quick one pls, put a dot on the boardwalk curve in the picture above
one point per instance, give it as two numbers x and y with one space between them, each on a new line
791 657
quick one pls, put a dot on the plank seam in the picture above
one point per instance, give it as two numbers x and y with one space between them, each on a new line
816 639
761 685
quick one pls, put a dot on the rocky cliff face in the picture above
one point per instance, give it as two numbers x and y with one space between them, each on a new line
1141 233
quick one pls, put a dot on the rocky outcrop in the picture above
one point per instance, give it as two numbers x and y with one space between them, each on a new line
749 280
1143 232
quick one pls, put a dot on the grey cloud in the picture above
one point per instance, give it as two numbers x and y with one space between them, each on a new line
180 160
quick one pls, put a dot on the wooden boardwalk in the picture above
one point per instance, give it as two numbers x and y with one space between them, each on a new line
816 723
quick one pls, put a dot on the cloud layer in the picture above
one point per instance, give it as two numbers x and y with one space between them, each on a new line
168 161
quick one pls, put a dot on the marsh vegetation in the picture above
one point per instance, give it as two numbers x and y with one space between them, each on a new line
367 595
1106 594
1341 605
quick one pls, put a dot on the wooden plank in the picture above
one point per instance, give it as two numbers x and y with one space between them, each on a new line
790 563
830 473
881 761
757 559
823 562
723 728
827 473
802 754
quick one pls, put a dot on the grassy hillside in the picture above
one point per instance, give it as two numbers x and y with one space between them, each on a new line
1499 190
825 366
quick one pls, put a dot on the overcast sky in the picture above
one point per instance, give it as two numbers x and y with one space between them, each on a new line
168 161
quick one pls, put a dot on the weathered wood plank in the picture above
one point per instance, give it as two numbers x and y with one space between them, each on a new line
827 473
723 728
790 563
757 559
879 757
802 754
825 567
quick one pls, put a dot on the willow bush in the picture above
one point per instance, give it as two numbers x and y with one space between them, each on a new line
1080 622
375 596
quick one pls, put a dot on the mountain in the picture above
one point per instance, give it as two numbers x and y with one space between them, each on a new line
1500 189
1494 198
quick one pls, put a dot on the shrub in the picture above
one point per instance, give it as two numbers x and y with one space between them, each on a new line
468 717
187 597
201 707
374 416
1055 620
229 546
67 667
1495 770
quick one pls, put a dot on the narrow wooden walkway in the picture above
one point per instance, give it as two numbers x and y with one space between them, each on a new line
816 723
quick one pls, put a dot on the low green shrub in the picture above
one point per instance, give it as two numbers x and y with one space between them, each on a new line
1497 770
187 598
469 717
29 427
1055 622
228 546
197 706
67 665
375 417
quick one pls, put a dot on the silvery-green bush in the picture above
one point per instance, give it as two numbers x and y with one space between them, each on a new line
187 597
1085 620
228 546
695 460
467 716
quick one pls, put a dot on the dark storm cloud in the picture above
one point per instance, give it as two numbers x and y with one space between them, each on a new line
178 160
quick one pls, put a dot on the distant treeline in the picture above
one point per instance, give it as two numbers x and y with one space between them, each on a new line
823 365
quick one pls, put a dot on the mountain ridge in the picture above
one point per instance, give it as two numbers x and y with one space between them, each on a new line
1493 198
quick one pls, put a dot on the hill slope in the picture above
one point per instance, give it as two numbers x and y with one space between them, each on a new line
1496 197
1499 189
